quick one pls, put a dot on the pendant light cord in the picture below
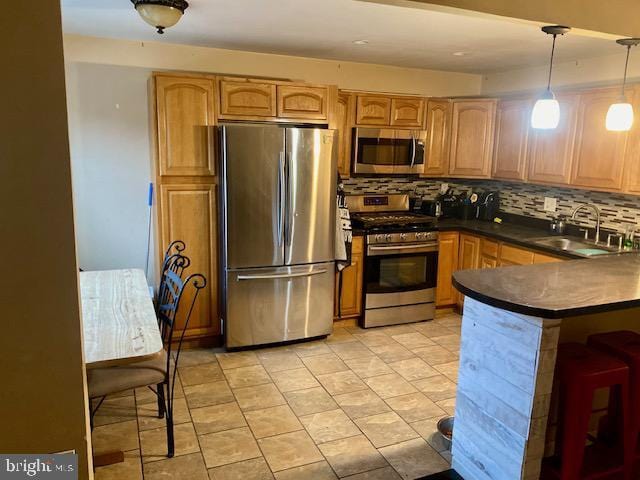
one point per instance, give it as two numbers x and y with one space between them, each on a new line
626 64
553 48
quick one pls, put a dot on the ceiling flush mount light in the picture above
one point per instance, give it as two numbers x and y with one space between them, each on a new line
620 114
460 54
160 14
361 42
546 111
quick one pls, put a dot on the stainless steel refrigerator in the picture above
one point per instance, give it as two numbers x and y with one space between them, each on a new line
278 207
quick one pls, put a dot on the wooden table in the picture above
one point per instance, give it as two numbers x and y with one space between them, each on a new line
119 325
119 321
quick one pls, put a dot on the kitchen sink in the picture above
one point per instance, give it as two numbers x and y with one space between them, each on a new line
576 246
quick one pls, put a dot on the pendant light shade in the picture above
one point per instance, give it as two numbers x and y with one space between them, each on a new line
546 111
620 117
620 114
160 14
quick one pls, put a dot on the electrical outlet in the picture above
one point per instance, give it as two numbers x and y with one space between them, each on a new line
550 204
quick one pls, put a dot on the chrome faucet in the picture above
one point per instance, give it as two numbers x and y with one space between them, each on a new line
597 212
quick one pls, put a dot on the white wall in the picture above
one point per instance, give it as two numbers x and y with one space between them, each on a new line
348 75
111 160
593 71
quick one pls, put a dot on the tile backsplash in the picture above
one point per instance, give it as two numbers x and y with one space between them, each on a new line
617 210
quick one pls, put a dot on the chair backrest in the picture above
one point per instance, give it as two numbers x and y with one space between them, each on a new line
173 260
177 305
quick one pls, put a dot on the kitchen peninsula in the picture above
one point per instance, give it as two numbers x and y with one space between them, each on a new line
513 320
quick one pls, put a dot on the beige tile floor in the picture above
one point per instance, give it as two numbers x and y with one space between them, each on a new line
362 404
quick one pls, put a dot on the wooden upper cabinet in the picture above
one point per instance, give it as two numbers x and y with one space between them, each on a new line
184 109
302 102
512 132
598 154
632 165
373 110
188 213
472 128
550 151
407 112
436 162
249 99
344 110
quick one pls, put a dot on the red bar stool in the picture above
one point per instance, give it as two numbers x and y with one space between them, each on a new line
581 371
624 345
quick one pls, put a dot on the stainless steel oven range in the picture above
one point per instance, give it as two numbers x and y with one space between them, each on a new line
401 260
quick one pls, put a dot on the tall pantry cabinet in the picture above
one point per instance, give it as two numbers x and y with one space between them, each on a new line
182 107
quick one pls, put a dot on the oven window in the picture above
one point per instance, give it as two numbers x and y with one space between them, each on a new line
376 151
397 273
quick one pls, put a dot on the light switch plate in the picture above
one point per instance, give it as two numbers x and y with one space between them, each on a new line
550 204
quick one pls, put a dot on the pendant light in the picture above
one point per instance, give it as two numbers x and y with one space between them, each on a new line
620 114
546 111
160 14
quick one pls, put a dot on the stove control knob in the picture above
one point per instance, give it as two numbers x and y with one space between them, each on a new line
403 236
379 237
389 237
421 235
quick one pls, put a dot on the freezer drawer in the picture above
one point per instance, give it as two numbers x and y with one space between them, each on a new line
269 305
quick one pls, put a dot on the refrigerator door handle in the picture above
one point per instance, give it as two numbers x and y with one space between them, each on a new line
262 276
281 197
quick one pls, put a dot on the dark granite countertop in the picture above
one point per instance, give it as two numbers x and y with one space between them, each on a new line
506 231
557 290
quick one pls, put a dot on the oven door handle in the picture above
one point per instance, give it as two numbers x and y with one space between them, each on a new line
415 246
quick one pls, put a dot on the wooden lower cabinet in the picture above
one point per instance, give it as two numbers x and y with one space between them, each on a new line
511 255
465 251
446 294
350 297
188 213
469 257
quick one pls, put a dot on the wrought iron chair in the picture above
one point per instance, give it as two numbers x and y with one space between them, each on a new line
156 372
175 248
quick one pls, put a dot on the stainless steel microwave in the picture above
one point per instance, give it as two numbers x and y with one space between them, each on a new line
387 151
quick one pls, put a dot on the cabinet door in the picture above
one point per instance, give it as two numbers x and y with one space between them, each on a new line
512 132
551 151
373 110
511 255
469 252
407 112
345 107
472 128
542 258
302 102
446 294
188 213
468 258
250 99
632 165
488 262
184 108
351 298
598 155
438 129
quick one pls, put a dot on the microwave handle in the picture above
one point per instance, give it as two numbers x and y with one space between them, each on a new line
413 149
